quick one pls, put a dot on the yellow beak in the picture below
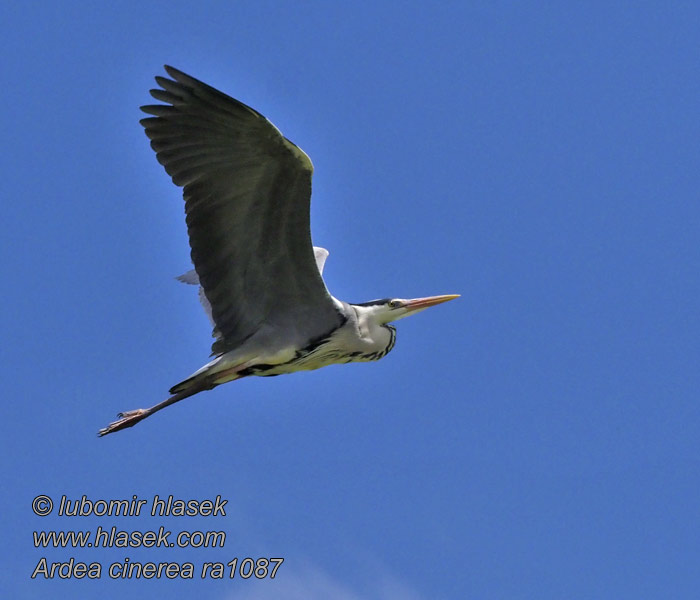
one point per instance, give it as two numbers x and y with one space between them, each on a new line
417 303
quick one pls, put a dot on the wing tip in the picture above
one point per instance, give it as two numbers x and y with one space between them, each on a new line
173 72
190 277
181 77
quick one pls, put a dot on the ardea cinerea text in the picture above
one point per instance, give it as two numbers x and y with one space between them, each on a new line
247 192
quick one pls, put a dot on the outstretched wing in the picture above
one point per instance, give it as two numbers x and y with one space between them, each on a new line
247 192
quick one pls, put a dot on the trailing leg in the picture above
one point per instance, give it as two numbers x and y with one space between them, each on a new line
131 417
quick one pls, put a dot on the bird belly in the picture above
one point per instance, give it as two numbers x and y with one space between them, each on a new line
292 366
311 359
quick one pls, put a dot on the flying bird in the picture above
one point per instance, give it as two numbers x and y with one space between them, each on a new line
247 192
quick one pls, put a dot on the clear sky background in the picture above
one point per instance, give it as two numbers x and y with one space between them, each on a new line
537 438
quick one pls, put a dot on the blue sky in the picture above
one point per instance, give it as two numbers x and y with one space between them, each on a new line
537 438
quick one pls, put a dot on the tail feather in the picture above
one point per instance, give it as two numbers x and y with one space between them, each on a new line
184 385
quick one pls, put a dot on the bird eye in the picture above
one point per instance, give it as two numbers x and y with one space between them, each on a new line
394 303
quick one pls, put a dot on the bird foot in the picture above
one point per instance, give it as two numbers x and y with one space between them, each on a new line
126 419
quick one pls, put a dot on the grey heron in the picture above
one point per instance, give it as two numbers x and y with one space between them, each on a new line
247 192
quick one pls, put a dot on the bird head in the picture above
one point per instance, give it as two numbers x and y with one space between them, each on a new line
388 310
